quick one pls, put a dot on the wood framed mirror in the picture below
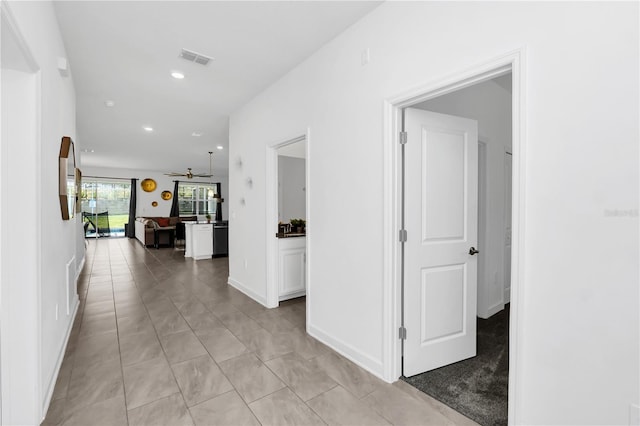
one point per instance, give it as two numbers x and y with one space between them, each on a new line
67 178
78 190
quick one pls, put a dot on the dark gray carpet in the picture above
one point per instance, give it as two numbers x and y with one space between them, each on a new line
476 387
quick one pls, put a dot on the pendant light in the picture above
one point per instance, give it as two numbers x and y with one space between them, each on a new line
210 193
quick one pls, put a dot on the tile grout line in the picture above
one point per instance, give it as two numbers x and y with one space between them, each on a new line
124 390
163 352
180 286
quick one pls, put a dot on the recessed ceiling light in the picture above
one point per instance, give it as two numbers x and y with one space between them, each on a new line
196 134
177 74
109 103
220 147
148 129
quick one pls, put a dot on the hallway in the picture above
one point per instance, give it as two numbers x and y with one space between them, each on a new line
163 340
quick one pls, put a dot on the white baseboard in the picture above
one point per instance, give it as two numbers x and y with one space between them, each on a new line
363 360
54 378
247 291
293 295
493 310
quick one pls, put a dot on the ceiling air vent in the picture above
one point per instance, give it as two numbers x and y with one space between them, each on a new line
192 56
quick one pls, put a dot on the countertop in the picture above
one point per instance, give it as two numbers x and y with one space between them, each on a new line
290 235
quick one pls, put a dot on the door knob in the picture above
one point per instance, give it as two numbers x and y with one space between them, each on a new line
473 251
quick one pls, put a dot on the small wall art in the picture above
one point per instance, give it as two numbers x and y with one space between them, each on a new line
148 185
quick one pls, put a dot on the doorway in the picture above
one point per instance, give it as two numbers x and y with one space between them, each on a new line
395 216
105 206
475 363
287 218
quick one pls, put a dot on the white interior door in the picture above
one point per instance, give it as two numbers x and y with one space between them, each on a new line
441 219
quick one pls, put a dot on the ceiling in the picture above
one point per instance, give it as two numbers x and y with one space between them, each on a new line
125 51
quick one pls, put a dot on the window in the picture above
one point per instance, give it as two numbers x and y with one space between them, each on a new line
196 198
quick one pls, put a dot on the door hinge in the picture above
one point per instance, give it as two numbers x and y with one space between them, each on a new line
402 235
403 138
402 333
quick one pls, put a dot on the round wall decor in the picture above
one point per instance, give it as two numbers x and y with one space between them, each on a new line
166 195
148 185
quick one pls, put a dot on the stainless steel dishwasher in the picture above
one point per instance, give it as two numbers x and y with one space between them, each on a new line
220 238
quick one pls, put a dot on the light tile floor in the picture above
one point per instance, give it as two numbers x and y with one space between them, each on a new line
160 340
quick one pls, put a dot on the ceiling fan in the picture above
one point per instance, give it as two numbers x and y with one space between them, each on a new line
190 174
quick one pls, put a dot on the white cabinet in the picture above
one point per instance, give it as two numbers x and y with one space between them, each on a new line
198 240
292 258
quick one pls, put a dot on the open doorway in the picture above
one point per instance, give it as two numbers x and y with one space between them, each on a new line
287 215
397 233
105 206
462 357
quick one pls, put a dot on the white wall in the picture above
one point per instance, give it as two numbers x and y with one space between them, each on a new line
165 183
292 197
490 104
579 323
43 243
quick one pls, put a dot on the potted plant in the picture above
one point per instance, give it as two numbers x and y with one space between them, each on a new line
208 216
298 225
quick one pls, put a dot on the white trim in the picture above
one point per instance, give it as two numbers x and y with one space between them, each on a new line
13 409
246 290
39 227
271 213
71 263
292 295
81 266
391 247
375 366
9 21
453 83
494 309
514 62
308 226
518 227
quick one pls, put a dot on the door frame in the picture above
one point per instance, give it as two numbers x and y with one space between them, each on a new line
271 216
20 326
513 62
